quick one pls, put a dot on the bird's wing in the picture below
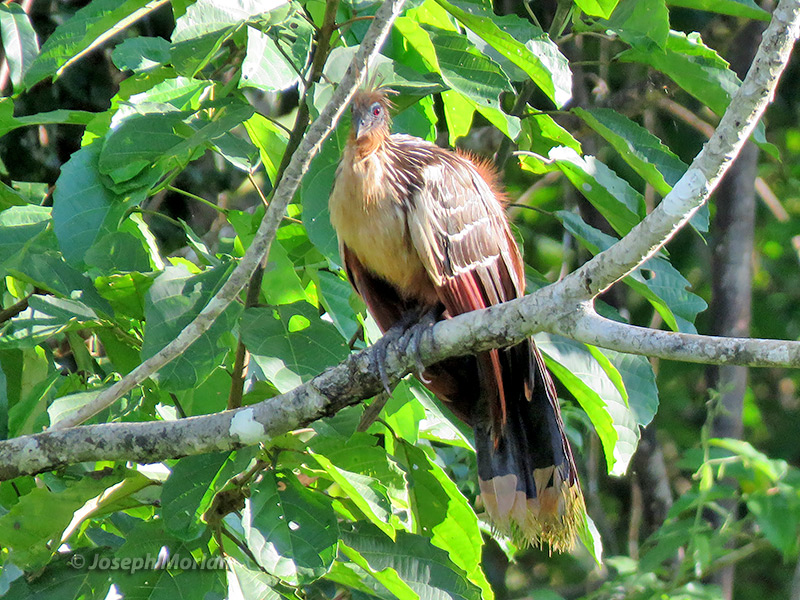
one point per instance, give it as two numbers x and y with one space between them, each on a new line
460 232
461 235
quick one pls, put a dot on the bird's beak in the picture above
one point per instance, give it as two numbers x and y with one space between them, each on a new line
361 127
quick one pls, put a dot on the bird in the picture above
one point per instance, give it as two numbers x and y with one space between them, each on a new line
423 230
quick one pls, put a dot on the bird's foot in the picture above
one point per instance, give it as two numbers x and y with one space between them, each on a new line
415 334
409 335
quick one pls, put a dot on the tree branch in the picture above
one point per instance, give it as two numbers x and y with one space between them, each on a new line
591 328
357 378
318 132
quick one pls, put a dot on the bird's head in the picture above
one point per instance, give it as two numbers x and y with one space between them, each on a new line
371 120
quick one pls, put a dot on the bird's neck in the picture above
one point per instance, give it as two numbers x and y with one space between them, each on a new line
368 144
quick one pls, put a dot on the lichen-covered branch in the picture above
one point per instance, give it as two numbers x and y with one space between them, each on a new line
357 378
317 133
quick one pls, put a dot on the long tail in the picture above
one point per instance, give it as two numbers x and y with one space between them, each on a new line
527 475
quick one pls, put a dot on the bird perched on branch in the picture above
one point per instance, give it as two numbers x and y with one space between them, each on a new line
422 229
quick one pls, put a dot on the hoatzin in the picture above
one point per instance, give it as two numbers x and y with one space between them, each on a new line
424 229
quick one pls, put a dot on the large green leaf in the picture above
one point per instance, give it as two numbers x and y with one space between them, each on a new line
620 204
181 574
477 77
271 142
28 536
141 53
639 381
644 24
19 40
597 8
441 512
643 151
315 190
265 67
367 493
84 210
45 317
657 280
189 490
172 302
8 122
207 24
89 27
520 42
291 530
411 567
295 335
699 70
589 381
160 140
24 228
737 8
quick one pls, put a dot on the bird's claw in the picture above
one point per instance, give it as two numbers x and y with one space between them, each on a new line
409 332
415 334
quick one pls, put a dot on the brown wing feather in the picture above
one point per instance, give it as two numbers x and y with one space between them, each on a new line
459 230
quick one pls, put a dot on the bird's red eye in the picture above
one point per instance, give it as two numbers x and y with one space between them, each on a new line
376 110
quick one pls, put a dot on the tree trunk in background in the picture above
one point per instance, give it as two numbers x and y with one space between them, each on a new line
650 474
731 273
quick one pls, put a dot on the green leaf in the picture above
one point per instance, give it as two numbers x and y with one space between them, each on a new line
140 54
644 24
26 534
149 540
208 16
458 113
316 189
294 334
410 568
367 493
620 204
597 394
270 140
172 302
657 280
23 228
478 78
8 122
334 294
643 151
280 283
19 40
441 512
244 583
188 491
520 42
736 8
700 71
639 381
158 141
84 210
356 452
292 531
265 67
590 537
45 317
597 8
89 27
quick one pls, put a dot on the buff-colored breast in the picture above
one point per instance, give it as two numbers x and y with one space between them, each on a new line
371 222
